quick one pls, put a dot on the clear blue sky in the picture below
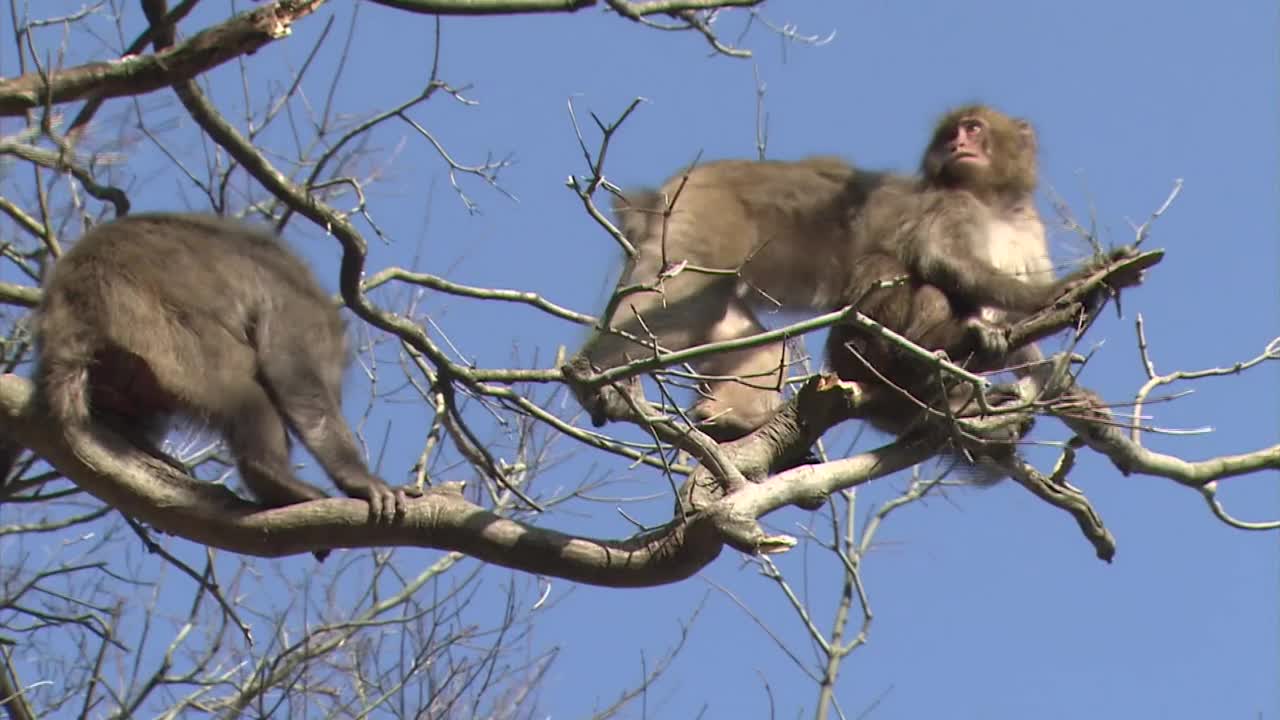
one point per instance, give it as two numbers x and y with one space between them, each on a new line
989 604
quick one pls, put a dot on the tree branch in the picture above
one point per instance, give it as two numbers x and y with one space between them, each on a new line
632 10
243 34
145 488
718 505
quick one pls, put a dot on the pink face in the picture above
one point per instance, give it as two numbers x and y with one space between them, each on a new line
967 146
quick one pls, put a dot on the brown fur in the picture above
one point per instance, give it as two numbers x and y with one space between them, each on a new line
969 240
818 234
156 317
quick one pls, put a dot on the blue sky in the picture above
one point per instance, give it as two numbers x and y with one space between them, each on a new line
988 604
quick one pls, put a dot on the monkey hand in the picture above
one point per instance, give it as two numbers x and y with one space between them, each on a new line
603 404
1126 266
610 403
990 340
1124 252
1121 268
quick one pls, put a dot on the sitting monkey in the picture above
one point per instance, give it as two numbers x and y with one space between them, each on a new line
947 259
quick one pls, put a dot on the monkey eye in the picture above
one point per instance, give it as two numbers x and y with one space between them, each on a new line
973 126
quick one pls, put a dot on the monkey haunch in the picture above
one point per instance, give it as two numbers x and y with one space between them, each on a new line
946 259
155 317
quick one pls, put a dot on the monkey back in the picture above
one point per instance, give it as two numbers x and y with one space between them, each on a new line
143 305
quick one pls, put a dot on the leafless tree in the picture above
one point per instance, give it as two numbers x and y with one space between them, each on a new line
129 578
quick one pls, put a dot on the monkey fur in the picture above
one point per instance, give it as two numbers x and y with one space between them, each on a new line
158 317
947 258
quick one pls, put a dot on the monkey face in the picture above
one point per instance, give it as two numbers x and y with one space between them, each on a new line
968 144
980 149
960 154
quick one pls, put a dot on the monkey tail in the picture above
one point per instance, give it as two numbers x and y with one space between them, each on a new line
62 388
62 393
62 385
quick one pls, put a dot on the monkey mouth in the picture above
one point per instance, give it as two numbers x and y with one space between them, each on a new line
969 161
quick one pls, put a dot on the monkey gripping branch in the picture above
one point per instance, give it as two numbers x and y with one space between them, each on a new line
716 507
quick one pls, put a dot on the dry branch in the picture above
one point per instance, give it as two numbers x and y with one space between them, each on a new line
151 491
721 502
243 34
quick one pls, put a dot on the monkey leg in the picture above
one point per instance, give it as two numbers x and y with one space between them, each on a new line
1028 363
260 442
927 316
744 390
679 314
885 292
308 398
259 439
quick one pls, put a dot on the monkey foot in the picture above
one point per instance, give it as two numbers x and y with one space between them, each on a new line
386 505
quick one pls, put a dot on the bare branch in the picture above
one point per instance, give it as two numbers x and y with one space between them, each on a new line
241 35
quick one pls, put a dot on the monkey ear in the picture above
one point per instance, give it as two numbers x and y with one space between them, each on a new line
1026 132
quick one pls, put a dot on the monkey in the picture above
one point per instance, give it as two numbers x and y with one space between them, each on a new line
966 237
962 238
153 318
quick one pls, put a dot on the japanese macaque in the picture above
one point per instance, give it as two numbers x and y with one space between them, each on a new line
153 318
947 259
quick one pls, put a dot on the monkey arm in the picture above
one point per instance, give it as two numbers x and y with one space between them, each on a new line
962 274
1123 268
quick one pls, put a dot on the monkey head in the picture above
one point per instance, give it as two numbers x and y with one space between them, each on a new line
984 151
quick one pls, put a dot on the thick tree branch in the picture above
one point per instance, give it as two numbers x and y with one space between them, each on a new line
721 502
1057 492
827 401
486 7
632 10
149 490
243 34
